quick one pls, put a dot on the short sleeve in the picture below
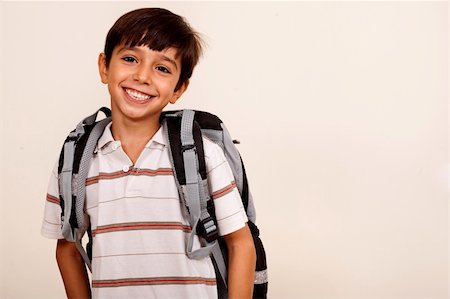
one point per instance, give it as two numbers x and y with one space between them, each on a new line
51 224
228 205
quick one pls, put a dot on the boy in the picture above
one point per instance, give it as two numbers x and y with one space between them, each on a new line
131 198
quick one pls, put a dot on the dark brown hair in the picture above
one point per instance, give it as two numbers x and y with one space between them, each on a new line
158 29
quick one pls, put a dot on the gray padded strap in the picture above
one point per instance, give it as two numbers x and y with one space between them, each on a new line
233 158
88 152
192 188
192 185
187 123
66 188
66 176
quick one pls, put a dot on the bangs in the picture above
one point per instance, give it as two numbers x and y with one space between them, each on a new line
155 33
150 36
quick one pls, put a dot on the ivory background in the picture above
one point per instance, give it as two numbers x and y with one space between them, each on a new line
341 109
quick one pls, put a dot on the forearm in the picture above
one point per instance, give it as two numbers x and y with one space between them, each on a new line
73 270
241 267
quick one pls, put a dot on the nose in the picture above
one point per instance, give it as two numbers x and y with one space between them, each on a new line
143 74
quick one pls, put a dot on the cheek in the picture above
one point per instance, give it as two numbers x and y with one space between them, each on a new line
114 82
111 90
167 85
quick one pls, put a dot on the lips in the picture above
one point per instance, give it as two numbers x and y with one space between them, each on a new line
137 96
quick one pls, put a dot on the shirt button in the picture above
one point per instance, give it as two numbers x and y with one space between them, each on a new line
115 146
126 168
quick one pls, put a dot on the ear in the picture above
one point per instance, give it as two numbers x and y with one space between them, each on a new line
177 94
102 69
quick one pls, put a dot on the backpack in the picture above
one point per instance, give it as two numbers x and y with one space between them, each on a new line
183 130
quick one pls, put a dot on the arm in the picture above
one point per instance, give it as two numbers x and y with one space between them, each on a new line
73 271
241 263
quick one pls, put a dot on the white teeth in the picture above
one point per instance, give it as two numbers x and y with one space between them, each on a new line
137 95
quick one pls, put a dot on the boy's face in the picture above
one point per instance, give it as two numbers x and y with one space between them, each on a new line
141 81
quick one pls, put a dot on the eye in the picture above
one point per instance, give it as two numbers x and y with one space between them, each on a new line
129 59
163 69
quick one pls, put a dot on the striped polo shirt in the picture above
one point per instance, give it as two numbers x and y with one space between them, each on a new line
139 230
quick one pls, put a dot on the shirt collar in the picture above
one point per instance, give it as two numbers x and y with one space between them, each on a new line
158 138
107 139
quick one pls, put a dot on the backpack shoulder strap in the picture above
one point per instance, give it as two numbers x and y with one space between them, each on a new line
184 133
73 168
187 155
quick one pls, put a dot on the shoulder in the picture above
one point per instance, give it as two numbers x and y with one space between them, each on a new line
210 146
214 155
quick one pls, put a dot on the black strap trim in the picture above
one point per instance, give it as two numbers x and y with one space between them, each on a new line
174 129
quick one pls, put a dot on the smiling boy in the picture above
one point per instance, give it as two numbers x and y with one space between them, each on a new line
139 230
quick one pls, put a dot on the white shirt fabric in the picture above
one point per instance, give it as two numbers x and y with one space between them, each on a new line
139 230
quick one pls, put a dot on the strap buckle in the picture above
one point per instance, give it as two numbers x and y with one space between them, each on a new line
207 229
74 135
187 147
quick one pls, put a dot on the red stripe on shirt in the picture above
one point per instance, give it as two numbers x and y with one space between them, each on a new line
53 199
224 191
133 171
140 226
152 281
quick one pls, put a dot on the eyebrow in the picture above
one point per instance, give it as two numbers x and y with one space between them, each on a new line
170 60
162 56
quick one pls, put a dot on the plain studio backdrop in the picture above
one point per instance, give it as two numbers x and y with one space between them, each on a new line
340 107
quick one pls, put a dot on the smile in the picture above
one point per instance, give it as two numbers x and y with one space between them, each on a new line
137 95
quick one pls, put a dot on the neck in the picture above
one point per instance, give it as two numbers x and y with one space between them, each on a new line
137 132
